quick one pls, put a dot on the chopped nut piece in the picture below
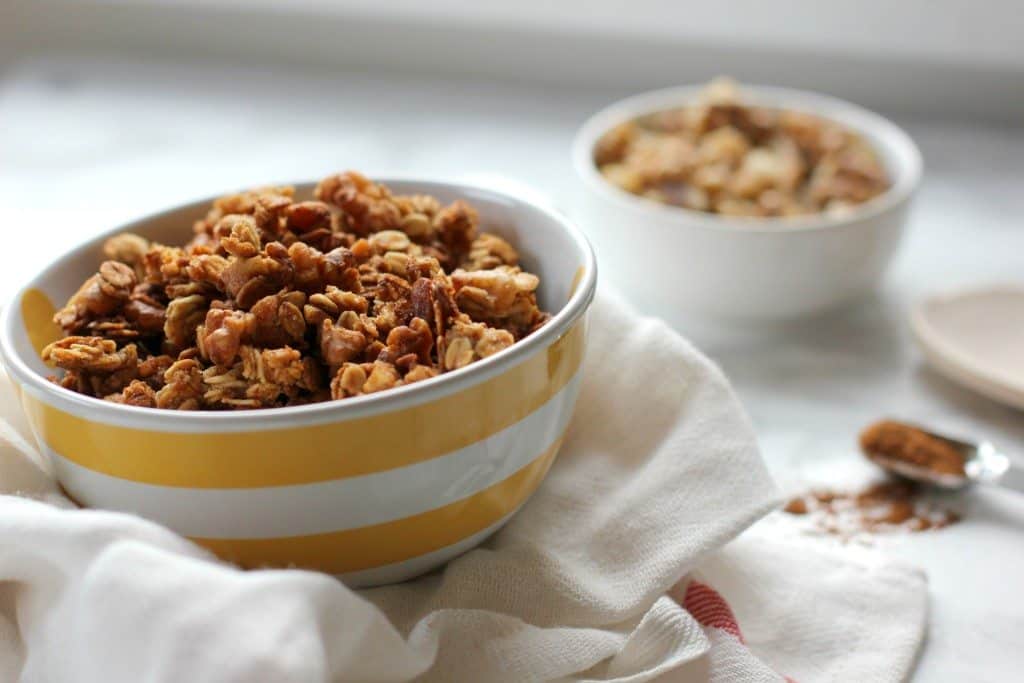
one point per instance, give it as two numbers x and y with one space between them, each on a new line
367 206
269 213
221 335
249 279
339 344
306 217
456 225
147 315
414 338
277 320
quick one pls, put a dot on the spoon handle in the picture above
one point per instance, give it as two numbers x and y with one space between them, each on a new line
1012 479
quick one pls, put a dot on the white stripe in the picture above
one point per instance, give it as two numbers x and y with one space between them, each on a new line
408 569
335 505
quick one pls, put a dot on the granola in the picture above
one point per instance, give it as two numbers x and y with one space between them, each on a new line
277 302
723 156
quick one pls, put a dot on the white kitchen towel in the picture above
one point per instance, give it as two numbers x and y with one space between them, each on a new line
614 571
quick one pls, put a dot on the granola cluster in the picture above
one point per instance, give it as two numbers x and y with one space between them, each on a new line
726 157
279 302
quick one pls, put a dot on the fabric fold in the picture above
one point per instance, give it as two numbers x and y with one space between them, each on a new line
659 470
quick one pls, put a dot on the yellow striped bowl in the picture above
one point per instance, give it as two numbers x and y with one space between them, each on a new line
375 488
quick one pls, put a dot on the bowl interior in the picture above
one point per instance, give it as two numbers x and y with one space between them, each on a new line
896 150
548 245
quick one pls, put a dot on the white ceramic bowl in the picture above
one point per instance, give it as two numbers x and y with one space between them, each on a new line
374 488
669 258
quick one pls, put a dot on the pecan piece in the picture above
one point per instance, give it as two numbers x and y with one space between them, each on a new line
277 320
147 314
270 211
343 342
456 226
249 279
305 217
414 339
367 206
434 301
221 335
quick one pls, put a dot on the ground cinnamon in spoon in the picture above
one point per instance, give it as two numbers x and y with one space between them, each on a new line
903 442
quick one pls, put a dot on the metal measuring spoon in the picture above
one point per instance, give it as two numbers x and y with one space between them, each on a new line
983 463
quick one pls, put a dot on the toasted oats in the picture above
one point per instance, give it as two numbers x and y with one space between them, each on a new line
723 156
275 302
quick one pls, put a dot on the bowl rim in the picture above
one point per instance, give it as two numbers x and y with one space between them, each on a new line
325 411
881 133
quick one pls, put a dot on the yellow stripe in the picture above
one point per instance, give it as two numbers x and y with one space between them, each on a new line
576 280
37 314
382 544
317 453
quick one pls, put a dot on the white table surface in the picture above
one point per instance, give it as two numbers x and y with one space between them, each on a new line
84 145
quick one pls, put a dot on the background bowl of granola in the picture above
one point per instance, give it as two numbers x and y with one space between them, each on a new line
739 213
376 487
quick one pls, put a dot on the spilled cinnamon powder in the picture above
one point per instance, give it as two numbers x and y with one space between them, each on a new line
889 506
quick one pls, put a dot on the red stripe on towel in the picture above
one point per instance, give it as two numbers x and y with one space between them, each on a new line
710 609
